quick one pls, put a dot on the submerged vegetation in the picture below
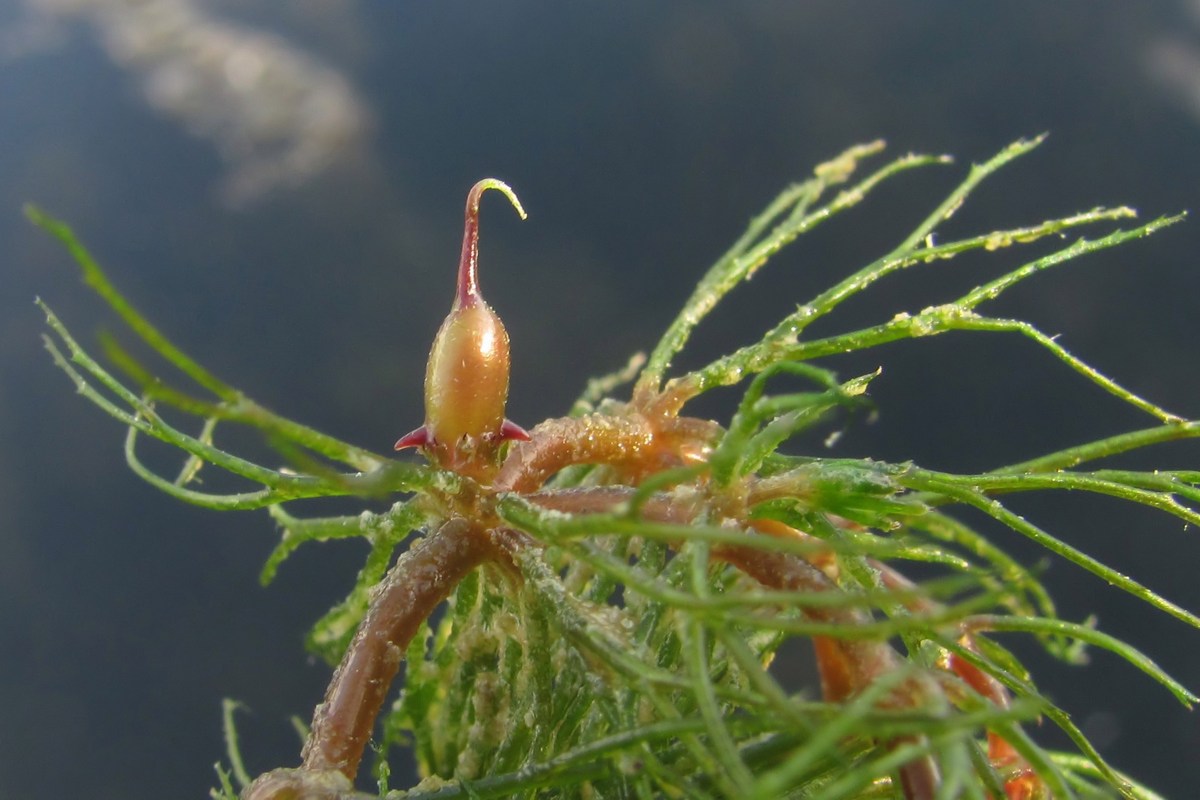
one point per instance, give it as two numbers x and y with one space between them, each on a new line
621 578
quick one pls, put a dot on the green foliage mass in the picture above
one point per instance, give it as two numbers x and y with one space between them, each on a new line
621 659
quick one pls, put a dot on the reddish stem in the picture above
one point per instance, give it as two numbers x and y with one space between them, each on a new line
1022 782
859 662
846 665
421 579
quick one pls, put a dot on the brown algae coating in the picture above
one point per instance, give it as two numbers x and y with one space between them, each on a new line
421 579
558 443
301 784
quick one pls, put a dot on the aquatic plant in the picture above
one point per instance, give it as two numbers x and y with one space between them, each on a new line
620 579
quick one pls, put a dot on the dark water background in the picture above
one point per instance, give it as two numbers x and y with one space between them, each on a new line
641 137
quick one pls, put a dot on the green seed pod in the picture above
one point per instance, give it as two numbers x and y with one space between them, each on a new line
466 380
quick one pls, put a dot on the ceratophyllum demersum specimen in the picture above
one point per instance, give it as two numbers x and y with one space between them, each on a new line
620 579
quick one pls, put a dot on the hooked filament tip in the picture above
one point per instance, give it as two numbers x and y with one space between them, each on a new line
468 265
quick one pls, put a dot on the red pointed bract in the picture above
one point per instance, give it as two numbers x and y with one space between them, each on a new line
510 430
418 438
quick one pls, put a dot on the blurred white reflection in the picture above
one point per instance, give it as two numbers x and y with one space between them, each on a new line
1175 63
278 115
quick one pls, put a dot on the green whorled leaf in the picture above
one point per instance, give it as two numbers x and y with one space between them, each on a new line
1087 777
1089 634
237 405
976 498
758 244
725 460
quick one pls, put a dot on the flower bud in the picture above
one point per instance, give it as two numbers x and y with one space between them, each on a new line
466 379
